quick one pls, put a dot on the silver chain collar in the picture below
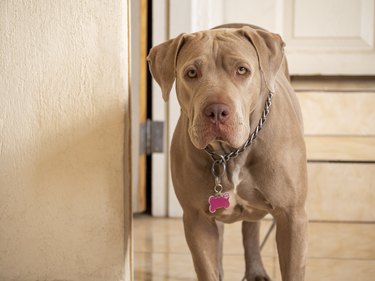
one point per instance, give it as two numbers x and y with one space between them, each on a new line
222 159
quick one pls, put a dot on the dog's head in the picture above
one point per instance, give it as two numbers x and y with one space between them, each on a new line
219 74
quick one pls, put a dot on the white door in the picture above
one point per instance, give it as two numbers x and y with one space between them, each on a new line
325 37
333 37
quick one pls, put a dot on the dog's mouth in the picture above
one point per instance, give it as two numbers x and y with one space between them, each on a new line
232 135
218 121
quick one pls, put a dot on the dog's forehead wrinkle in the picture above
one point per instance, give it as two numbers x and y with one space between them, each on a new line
215 49
202 48
197 62
196 36
195 39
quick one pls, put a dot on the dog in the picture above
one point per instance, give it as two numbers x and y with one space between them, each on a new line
238 150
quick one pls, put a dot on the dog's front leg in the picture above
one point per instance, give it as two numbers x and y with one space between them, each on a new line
291 238
203 238
253 261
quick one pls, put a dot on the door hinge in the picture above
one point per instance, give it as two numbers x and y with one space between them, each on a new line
151 137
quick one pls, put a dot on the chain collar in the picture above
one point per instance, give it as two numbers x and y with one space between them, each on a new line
220 160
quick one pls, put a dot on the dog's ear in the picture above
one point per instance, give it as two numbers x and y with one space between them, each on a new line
162 63
270 50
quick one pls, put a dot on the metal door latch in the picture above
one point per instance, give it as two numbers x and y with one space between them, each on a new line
151 137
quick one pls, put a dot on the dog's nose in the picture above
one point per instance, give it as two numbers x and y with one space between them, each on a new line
217 112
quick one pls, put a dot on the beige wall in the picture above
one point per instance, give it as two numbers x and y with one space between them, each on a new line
63 96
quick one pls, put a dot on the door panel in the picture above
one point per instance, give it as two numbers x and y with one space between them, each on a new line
320 19
327 37
330 37
338 113
330 192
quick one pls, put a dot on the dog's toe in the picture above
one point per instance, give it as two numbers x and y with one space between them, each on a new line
257 278
262 278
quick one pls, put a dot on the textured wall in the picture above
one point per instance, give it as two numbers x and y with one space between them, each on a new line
63 87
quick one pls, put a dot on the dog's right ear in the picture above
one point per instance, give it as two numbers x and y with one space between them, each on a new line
162 63
270 50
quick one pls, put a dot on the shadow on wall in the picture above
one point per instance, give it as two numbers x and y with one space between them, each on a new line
62 198
63 96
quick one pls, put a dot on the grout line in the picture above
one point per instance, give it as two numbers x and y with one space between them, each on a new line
338 91
331 221
340 258
163 253
341 222
341 161
263 256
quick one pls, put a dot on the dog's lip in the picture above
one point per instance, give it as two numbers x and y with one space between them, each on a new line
232 134
220 140
211 140
219 145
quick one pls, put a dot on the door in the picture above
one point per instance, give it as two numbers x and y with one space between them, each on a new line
334 37
160 112
323 37
139 102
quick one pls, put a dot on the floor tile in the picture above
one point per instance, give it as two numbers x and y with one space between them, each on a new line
163 267
159 235
179 267
342 240
167 235
340 270
337 251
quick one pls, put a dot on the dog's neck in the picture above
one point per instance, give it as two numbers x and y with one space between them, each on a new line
220 147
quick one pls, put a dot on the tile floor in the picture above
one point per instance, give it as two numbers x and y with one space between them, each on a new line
337 251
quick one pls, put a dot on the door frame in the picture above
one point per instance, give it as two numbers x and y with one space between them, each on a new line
166 25
128 159
159 162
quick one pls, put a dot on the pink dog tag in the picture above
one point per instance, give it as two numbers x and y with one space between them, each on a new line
218 201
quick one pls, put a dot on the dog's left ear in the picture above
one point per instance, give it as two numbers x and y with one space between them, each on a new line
162 63
270 49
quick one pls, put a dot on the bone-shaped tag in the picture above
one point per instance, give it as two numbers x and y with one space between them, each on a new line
218 201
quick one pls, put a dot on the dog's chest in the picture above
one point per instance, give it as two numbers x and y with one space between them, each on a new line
240 207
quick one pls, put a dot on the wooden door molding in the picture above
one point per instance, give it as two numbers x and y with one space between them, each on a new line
128 209
138 100
329 37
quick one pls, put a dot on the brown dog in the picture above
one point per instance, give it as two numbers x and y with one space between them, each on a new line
234 157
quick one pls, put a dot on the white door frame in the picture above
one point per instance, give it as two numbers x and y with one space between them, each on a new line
190 16
160 169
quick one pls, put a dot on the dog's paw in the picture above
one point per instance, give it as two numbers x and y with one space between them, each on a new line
257 277
262 278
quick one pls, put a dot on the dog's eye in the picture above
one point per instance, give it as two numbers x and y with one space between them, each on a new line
241 70
192 73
